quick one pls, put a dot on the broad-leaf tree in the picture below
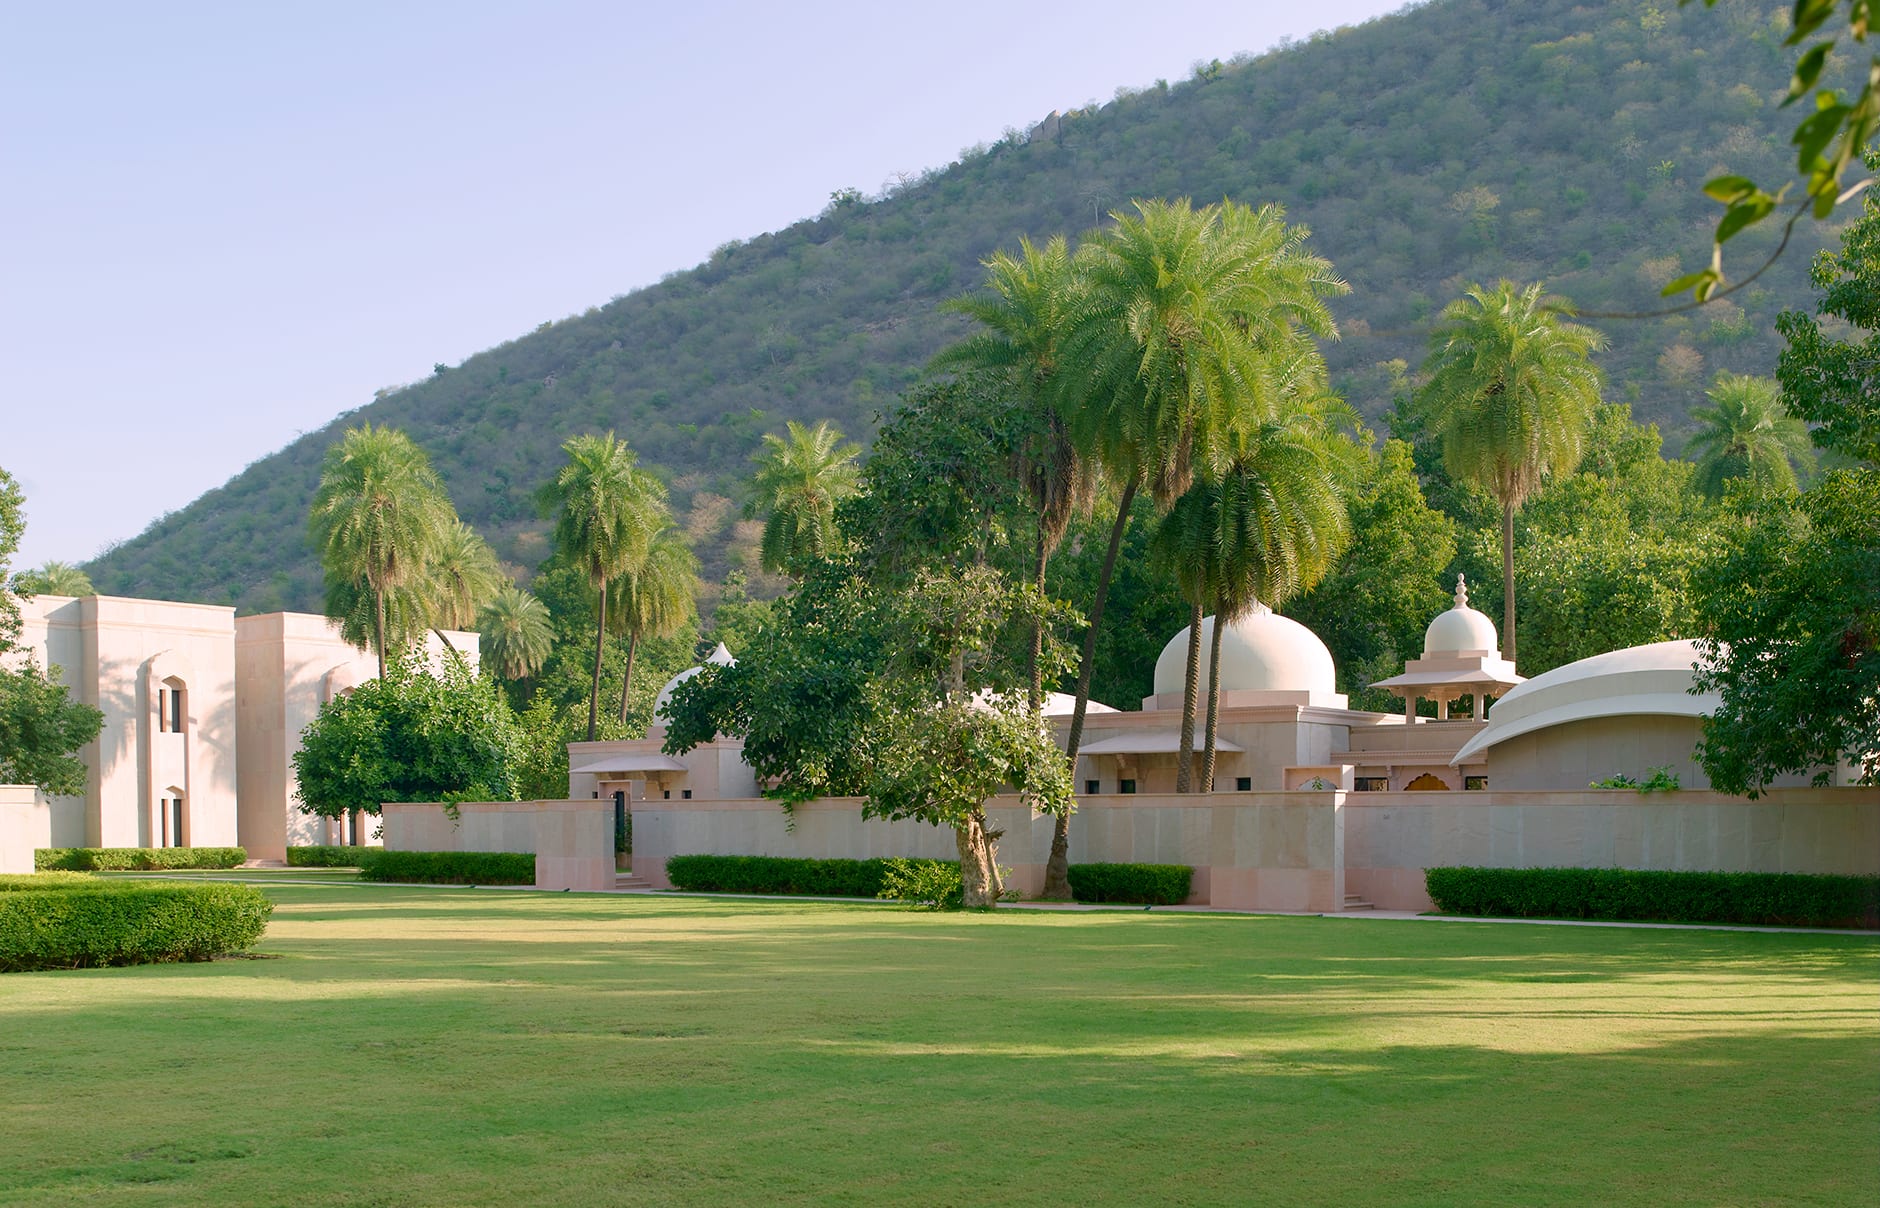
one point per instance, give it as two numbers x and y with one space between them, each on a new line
378 517
606 512
1746 433
1511 390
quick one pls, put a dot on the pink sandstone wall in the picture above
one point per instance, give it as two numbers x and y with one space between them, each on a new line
573 841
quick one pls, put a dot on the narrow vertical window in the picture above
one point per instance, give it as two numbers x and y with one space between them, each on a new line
176 710
163 710
176 822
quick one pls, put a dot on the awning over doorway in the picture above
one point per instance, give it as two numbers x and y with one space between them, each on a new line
1150 742
651 761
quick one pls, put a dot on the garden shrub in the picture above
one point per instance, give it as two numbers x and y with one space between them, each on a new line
26 881
72 926
933 884
777 874
319 856
448 867
1156 884
1772 898
136 859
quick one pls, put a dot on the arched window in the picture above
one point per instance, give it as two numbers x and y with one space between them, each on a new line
168 827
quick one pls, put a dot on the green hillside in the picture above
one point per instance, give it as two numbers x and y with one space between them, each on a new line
1463 140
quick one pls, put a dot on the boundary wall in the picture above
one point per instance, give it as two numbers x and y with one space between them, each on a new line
573 841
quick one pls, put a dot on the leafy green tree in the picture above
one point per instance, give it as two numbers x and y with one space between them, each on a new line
1830 377
1511 390
378 516
410 735
1791 616
607 512
801 477
655 597
41 726
1747 434
53 579
542 761
515 632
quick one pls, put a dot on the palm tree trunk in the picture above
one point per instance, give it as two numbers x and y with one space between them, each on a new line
1507 580
378 626
1214 701
600 637
1057 880
626 682
1035 692
1191 686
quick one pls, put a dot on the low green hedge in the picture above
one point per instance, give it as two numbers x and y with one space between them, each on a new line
1157 884
28 881
777 874
69 926
1771 898
316 856
136 859
447 867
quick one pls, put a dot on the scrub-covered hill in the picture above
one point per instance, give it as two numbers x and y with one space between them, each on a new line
1463 140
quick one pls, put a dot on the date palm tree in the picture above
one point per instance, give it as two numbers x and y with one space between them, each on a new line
655 598
1021 320
516 633
1746 432
55 578
377 519
801 476
462 577
606 512
1511 391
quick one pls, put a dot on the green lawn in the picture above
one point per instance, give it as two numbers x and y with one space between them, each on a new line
450 1046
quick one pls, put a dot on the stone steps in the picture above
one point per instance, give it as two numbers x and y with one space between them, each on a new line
627 880
1354 902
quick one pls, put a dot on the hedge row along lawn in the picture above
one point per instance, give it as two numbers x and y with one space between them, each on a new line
1778 898
71 921
433 1046
1157 883
135 859
448 867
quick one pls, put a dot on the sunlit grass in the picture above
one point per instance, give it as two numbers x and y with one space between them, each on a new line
487 1047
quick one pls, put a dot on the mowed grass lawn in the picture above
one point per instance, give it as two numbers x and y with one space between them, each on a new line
449 1046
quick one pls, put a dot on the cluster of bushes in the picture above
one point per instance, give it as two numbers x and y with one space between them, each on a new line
776 874
447 867
318 856
1154 884
1770 898
69 921
136 859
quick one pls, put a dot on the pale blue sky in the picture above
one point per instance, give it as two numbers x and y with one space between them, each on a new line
222 225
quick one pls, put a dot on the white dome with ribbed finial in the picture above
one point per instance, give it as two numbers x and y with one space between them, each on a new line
1261 652
1461 630
720 656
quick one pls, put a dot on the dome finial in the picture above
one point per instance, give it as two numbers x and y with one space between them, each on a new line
1462 592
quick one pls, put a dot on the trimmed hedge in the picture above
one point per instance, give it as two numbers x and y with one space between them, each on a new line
1768 898
70 926
447 867
1156 884
29 881
316 856
136 859
777 874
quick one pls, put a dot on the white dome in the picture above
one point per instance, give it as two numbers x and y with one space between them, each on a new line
1460 630
1261 652
720 656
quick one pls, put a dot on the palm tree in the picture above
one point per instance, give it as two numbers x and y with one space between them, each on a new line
461 578
516 633
655 598
1021 321
1748 433
1188 325
1269 525
607 512
54 579
1511 390
801 477
377 518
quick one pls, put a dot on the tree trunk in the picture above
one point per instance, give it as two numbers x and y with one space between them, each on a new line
1057 879
978 869
1191 687
1214 700
1507 581
600 637
378 626
626 681
1035 693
